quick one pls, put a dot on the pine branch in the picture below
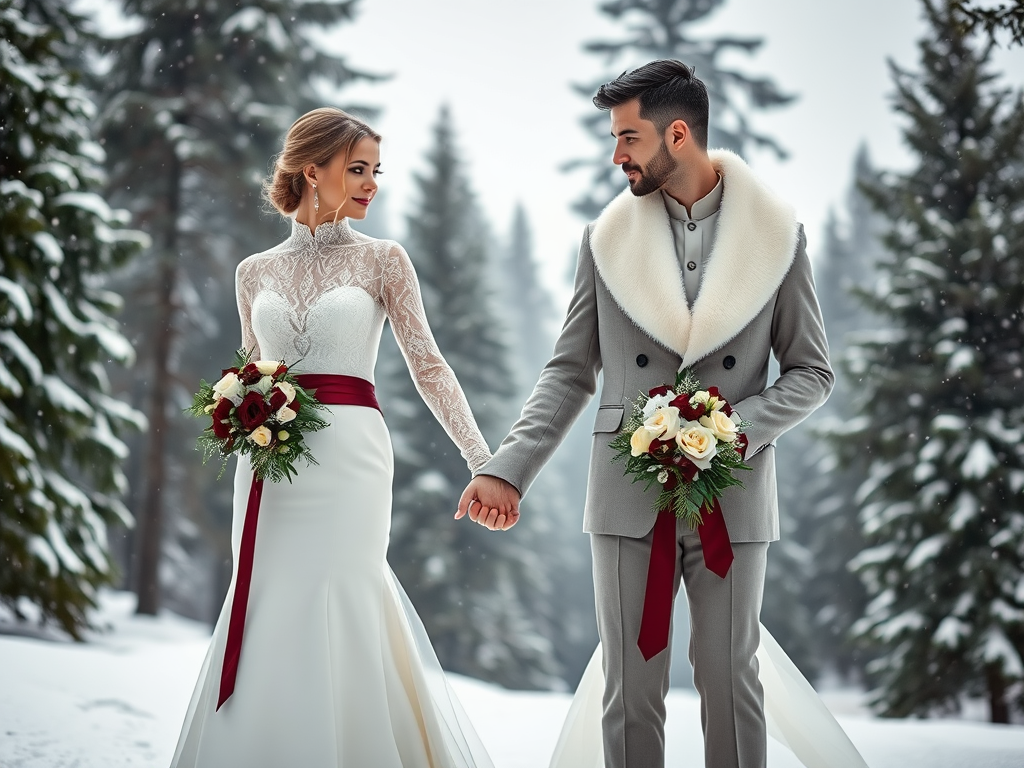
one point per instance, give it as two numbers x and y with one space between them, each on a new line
1003 17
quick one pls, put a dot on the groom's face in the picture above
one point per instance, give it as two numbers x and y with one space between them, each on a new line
640 149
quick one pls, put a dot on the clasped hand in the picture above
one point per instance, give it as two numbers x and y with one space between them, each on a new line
491 502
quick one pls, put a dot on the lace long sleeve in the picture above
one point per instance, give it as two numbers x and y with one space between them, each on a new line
243 295
431 373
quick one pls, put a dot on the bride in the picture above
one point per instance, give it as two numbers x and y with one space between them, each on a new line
328 664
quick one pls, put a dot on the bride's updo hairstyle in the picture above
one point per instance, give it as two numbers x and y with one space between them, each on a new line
314 139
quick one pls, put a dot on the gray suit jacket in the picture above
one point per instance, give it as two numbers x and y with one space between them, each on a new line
629 318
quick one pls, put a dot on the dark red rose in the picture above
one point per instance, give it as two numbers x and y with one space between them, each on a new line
250 374
221 426
294 405
658 391
253 411
693 412
226 371
687 411
282 369
726 408
713 391
661 449
277 398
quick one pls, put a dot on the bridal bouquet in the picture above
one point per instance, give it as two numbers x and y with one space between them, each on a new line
258 410
687 439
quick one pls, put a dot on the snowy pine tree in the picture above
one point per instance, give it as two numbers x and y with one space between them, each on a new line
660 29
60 446
482 596
196 101
940 416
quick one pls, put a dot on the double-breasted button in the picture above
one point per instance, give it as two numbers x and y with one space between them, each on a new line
641 360
728 362
691 265
691 226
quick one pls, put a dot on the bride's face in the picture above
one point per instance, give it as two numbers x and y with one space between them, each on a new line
348 187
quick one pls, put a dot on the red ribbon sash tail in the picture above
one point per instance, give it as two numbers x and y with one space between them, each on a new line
714 540
661 571
331 389
718 557
241 597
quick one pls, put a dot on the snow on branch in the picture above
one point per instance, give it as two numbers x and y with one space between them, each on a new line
64 397
18 297
23 354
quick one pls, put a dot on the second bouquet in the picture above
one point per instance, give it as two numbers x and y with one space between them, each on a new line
688 440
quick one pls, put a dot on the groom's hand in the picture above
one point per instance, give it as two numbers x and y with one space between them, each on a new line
491 502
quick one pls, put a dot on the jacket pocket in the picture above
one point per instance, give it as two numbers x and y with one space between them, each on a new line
609 418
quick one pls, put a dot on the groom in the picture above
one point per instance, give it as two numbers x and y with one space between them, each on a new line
697 264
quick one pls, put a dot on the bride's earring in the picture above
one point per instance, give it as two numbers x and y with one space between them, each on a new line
316 200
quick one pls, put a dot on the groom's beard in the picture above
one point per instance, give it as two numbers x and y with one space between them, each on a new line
656 173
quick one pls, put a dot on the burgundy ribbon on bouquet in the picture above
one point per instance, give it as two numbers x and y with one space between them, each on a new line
661 569
330 389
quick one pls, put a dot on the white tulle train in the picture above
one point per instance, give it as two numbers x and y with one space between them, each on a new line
795 715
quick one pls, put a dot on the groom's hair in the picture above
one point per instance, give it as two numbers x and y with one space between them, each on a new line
667 91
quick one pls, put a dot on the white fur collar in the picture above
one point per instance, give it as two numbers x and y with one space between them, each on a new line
754 247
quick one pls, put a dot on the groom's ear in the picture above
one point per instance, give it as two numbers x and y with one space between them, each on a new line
678 135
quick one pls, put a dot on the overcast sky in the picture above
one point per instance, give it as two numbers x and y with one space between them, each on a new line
505 68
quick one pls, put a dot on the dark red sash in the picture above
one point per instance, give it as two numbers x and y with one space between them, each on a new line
331 389
661 569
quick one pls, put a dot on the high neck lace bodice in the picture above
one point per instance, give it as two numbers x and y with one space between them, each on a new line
322 297
327 234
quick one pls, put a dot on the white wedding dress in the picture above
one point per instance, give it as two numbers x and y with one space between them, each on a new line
335 667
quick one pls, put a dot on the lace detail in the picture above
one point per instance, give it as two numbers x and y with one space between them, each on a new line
323 296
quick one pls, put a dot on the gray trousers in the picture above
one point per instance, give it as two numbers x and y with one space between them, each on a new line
724 638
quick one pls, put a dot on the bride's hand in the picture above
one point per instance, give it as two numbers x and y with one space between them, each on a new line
491 502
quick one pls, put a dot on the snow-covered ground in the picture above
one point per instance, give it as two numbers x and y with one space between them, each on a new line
118 701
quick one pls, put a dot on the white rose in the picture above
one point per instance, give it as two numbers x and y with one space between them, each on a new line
264 384
267 367
288 389
640 441
285 414
698 443
721 426
664 421
261 435
658 401
700 396
229 387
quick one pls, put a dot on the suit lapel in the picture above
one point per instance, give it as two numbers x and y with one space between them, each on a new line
755 244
